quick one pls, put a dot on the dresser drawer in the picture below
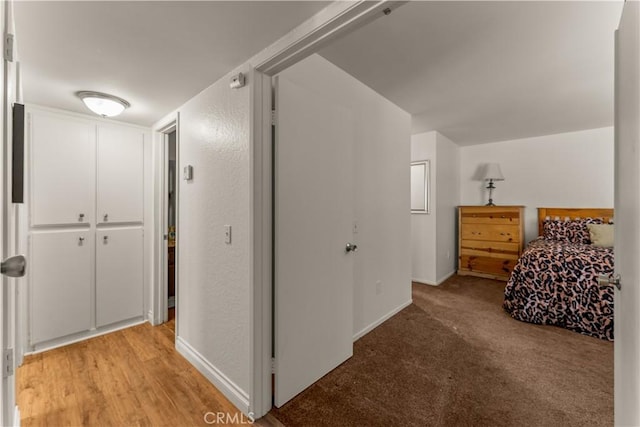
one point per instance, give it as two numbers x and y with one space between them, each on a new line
494 216
490 249
490 232
487 265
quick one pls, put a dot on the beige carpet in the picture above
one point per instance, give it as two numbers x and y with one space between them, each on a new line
454 358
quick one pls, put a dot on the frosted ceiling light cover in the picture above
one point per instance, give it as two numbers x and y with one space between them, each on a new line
103 104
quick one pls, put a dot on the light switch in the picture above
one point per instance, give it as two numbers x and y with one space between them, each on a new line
227 234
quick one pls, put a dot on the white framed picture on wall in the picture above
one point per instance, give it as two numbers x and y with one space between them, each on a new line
420 187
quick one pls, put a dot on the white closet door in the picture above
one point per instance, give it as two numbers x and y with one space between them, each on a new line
120 174
61 277
313 224
63 152
118 275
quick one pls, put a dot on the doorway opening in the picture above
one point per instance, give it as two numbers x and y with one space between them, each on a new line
166 290
171 206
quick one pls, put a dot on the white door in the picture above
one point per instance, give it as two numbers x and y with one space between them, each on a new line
118 275
120 174
61 283
63 153
9 76
7 391
314 273
627 214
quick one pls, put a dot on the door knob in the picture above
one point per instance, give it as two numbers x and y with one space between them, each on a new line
105 239
604 281
81 217
14 266
351 247
106 217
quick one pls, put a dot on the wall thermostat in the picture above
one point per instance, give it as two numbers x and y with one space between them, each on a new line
237 81
188 173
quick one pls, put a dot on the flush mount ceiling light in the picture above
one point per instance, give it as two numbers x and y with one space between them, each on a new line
103 104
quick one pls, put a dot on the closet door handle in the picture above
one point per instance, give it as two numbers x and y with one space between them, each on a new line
81 240
106 217
105 239
15 266
81 217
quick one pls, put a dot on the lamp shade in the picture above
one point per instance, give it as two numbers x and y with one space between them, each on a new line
103 104
493 172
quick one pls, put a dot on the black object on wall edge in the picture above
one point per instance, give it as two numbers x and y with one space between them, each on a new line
17 157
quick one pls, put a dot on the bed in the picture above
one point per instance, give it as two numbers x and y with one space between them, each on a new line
555 280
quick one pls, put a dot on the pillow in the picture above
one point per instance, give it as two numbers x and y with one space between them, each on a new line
580 230
555 229
570 231
601 235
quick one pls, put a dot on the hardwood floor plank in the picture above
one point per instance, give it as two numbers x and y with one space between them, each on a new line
132 377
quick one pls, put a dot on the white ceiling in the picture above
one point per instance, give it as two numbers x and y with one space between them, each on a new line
476 71
490 71
156 55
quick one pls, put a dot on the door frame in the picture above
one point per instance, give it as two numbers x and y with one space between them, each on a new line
160 310
11 234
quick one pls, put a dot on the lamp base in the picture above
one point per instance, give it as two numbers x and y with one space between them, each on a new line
490 187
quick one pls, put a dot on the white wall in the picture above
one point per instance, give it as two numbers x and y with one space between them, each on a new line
447 200
423 226
382 189
573 169
433 235
213 291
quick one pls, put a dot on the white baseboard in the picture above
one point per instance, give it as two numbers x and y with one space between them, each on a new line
424 281
16 416
81 336
235 394
436 283
445 277
381 320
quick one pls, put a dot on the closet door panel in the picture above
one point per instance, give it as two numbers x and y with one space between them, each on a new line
61 279
119 275
120 174
63 155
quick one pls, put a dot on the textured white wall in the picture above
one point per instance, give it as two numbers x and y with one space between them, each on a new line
433 236
573 169
214 301
381 189
423 226
448 198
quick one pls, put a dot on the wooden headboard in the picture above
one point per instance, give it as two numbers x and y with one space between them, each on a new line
572 213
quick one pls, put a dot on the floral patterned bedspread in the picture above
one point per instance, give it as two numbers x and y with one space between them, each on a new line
555 283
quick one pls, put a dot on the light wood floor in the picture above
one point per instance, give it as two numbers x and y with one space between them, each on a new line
129 377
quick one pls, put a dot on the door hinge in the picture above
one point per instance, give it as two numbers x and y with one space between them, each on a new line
8 47
273 365
7 363
273 117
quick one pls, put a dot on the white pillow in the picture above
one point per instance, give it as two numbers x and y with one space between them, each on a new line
601 235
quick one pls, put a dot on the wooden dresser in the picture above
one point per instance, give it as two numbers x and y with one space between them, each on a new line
490 241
